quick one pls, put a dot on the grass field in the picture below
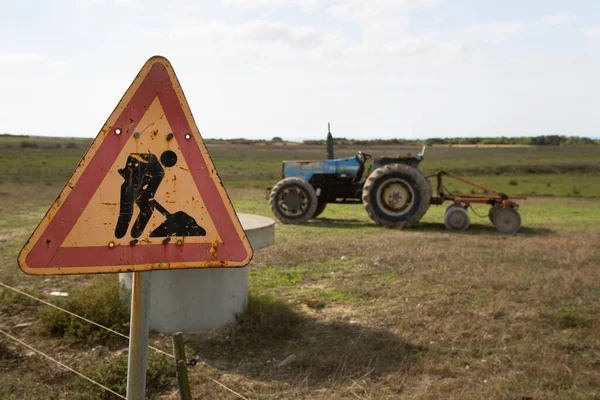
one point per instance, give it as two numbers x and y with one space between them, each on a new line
416 314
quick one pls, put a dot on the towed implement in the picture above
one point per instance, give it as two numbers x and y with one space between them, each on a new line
394 191
503 211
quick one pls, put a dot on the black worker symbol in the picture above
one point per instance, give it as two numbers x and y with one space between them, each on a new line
143 174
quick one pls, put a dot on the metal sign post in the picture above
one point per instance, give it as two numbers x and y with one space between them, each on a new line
138 336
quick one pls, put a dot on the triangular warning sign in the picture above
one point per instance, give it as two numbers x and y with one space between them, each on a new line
145 196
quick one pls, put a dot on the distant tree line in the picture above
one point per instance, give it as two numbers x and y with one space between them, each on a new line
360 142
547 140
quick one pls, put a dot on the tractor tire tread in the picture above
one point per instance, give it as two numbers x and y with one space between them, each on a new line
306 187
423 187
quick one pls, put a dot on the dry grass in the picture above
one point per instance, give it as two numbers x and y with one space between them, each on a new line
423 315
419 314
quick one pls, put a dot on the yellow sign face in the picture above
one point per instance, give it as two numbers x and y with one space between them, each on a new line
145 196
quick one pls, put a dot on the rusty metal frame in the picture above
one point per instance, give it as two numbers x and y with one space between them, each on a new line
493 197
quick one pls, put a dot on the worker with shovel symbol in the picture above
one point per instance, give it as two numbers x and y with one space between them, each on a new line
143 174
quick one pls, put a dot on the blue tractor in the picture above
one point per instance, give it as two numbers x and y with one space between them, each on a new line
394 192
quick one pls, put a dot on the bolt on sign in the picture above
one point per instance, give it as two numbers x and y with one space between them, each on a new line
145 196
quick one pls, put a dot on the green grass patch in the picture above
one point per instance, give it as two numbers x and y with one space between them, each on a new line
557 185
271 277
388 274
568 317
334 296
538 214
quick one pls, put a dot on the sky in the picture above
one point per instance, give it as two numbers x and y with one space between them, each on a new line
264 68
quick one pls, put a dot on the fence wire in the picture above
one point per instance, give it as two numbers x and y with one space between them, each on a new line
61 364
80 317
99 326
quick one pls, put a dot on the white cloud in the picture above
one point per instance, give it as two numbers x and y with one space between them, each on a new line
408 47
22 57
454 50
306 5
346 9
526 61
592 32
360 9
383 25
497 30
558 19
29 58
380 21
86 3
298 37
262 33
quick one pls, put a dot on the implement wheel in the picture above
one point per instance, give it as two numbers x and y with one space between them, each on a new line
457 218
396 195
507 220
293 201
493 211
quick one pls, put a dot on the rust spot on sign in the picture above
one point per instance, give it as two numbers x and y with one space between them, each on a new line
213 249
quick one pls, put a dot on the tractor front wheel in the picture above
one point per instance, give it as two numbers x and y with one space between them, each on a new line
293 201
320 208
396 195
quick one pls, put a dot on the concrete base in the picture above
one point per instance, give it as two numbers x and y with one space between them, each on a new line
191 300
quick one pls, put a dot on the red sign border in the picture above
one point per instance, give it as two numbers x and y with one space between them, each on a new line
48 253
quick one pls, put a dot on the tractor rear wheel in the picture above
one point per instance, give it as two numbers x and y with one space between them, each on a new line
396 195
293 201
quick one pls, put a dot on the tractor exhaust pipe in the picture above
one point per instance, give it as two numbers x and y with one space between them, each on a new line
329 143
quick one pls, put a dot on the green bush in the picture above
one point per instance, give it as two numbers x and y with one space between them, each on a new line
112 373
9 297
99 302
29 145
